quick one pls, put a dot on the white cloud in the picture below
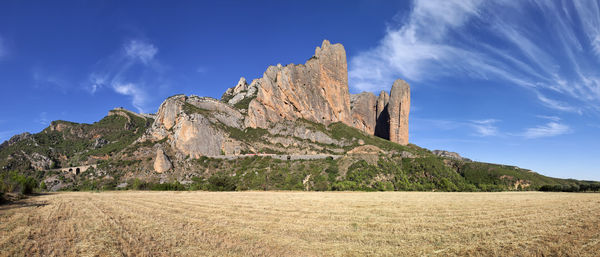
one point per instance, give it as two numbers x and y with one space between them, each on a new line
552 118
557 105
441 38
43 119
141 50
550 129
412 47
589 14
133 72
485 128
139 96
480 128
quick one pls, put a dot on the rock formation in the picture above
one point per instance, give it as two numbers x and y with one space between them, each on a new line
240 92
385 116
398 109
316 91
382 128
189 124
161 162
364 111
448 154
15 139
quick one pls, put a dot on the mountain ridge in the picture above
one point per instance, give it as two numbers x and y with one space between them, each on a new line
296 128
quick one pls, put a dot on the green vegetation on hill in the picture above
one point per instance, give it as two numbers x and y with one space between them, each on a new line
429 173
401 168
341 131
74 143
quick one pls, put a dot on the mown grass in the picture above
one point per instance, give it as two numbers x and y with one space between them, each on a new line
302 224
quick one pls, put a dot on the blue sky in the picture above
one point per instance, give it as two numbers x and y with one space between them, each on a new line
513 82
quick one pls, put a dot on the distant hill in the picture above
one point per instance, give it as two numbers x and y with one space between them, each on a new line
296 128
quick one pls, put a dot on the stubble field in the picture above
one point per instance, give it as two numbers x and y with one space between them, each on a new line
302 224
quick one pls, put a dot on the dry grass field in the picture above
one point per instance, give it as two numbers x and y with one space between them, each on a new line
302 224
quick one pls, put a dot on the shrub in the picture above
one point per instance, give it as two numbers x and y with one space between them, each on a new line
320 183
344 186
222 182
15 182
137 184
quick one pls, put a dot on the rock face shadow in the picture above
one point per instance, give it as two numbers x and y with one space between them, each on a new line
382 125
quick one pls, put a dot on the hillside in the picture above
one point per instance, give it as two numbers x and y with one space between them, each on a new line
296 128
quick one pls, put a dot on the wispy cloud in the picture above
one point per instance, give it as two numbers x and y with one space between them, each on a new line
138 95
549 129
441 38
485 128
132 71
43 119
552 118
589 13
140 50
478 128
557 105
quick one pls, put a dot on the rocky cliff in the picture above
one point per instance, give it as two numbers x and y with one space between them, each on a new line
398 109
315 91
318 91
385 116
192 125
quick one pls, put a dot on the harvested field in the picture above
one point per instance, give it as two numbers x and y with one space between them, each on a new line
302 224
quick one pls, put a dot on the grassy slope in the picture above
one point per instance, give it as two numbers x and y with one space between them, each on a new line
75 143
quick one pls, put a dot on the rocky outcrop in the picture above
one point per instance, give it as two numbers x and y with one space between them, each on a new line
296 130
100 142
240 92
382 126
382 102
193 125
398 109
316 91
451 155
385 116
168 111
15 139
195 136
161 162
366 149
364 112
39 161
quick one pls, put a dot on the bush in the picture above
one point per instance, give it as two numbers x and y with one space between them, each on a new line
174 186
15 182
384 186
344 186
320 183
222 182
137 184
43 186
